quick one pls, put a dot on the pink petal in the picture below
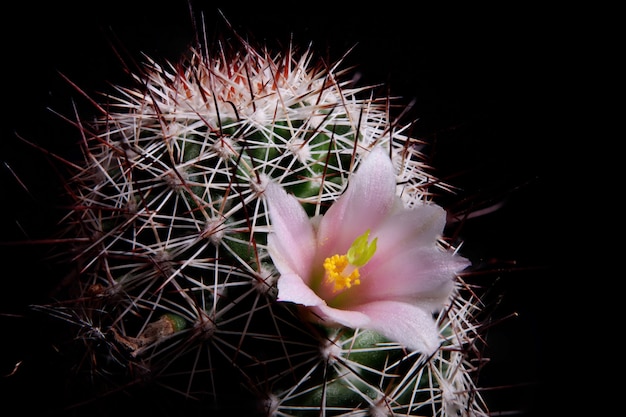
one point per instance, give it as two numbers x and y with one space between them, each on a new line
291 243
421 225
365 203
330 316
291 288
421 273
406 324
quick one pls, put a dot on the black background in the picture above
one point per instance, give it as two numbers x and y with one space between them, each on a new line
485 85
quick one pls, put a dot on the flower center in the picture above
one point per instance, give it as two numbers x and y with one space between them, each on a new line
342 271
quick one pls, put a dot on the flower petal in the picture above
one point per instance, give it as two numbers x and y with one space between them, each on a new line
291 243
422 274
330 316
365 203
406 324
421 225
291 288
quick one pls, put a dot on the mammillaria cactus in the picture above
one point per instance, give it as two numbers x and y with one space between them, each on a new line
253 231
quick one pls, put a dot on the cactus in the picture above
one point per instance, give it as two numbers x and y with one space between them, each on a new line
173 284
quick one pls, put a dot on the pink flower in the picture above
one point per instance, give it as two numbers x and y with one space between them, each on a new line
368 262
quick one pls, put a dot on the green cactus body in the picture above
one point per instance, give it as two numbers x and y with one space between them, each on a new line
170 199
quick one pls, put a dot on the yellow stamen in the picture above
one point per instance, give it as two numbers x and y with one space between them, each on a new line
342 271
339 275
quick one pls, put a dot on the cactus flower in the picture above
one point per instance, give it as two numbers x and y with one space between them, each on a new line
368 262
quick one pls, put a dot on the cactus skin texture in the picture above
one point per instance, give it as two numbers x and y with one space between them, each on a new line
172 283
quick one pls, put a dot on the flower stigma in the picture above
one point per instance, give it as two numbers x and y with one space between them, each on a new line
342 271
